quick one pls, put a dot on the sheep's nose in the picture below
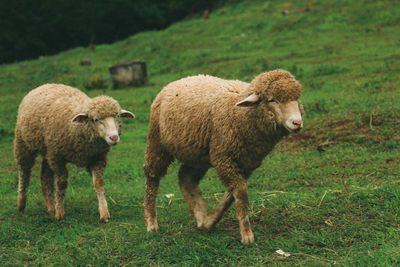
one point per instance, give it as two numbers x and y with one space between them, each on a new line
298 124
114 139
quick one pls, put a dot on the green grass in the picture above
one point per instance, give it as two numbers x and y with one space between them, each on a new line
340 206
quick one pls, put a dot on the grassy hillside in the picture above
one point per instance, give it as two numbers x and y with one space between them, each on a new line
337 206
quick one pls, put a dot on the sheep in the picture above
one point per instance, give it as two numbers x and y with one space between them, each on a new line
230 125
65 126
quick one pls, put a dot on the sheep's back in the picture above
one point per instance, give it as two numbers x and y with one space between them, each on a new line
189 109
47 111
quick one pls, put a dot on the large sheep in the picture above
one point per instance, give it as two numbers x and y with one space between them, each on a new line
204 122
65 126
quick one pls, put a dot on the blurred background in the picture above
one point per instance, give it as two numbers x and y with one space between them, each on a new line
31 28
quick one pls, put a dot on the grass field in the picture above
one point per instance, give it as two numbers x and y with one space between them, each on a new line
337 206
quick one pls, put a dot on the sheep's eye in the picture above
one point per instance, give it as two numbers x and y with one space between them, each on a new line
271 100
95 120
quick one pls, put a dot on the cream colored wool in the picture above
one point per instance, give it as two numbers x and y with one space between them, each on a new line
197 121
44 126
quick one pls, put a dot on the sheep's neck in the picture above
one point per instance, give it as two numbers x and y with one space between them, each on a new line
260 133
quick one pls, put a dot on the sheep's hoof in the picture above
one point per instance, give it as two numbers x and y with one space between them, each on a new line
21 209
152 227
21 203
204 227
105 219
51 210
247 238
59 215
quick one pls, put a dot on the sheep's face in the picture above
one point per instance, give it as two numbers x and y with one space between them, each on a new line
108 128
276 96
287 114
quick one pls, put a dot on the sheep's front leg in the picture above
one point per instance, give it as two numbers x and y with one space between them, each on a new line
242 209
236 183
98 182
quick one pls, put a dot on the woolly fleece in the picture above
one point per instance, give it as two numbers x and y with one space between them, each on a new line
196 120
44 126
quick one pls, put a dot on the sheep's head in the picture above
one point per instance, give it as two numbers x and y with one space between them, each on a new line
103 114
276 94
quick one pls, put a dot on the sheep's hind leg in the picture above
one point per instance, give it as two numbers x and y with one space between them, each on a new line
154 169
47 181
188 182
150 213
216 214
24 173
25 161
61 173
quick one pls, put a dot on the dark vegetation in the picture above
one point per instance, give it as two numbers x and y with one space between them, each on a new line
32 28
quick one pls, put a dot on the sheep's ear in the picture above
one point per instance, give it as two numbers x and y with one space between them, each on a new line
80 118
127 114
249 101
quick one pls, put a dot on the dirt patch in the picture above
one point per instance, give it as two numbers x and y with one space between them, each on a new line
392 162
224 59
372 130
218 60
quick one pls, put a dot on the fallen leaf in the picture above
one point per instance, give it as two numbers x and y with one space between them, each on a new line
321 146
283 253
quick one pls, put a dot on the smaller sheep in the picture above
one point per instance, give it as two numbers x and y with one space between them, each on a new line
204 122
65 126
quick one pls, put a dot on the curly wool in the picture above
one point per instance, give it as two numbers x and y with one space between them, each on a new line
197 121
101 107
44 125
278 84
204 121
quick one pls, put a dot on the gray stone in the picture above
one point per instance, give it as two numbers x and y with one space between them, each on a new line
85 62
128 74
